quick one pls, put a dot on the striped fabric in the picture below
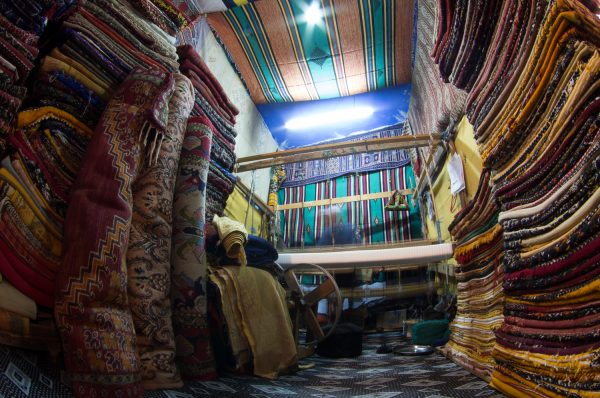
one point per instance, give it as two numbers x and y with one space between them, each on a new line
301 173
361 222
283 58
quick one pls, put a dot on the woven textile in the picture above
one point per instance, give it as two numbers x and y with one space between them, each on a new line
535 109
281 58
21 23
91 309
99 44
188 256
360 222
432 102
212 103
479 275
461 50
324 169
260 312
149 251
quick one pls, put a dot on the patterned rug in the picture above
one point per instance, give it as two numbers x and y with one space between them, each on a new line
372 375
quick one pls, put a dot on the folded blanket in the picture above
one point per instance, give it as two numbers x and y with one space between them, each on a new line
259 251
261 318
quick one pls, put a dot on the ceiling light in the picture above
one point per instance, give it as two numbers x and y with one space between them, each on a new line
328 118
313 14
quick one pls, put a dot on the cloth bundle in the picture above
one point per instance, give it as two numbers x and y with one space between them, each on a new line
165 14
92 305
258 323
259 251
149 251
479 276
212 103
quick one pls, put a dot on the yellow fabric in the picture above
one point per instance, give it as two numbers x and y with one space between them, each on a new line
50 63
21 175
78 70
36 225
58 149
521 387
239 344
237 209
467 148
512 388
36 115
259 303
478 241
233 237
21 192
588 292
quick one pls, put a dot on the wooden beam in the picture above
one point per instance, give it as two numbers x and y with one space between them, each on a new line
333 150
255 199
345 199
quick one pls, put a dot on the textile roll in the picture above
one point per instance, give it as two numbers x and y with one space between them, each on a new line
233 237
92 308
212 102
149 251
188 257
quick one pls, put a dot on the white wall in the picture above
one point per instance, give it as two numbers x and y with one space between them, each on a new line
253 135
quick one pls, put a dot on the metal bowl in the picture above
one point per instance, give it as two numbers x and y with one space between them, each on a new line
414 350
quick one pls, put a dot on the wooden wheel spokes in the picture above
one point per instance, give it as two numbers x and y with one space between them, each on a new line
320 292
292 282
313 324
305 303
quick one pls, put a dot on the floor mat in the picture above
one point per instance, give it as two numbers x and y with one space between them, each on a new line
372 375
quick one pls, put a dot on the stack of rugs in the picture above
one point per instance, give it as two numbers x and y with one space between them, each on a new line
545 146
479 274
432 102
463 38
86 233
535 109
29 246
514 34
212 103
20 28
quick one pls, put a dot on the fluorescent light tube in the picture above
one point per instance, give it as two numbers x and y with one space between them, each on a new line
329 118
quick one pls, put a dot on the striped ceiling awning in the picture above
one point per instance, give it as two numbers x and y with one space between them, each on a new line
357 46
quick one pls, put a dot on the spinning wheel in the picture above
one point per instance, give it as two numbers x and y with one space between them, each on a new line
303 304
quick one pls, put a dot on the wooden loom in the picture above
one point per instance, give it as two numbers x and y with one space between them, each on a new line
355 257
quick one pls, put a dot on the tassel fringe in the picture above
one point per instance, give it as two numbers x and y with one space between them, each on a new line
151 140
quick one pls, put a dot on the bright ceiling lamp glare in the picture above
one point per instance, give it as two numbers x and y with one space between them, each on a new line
313 14
329 118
